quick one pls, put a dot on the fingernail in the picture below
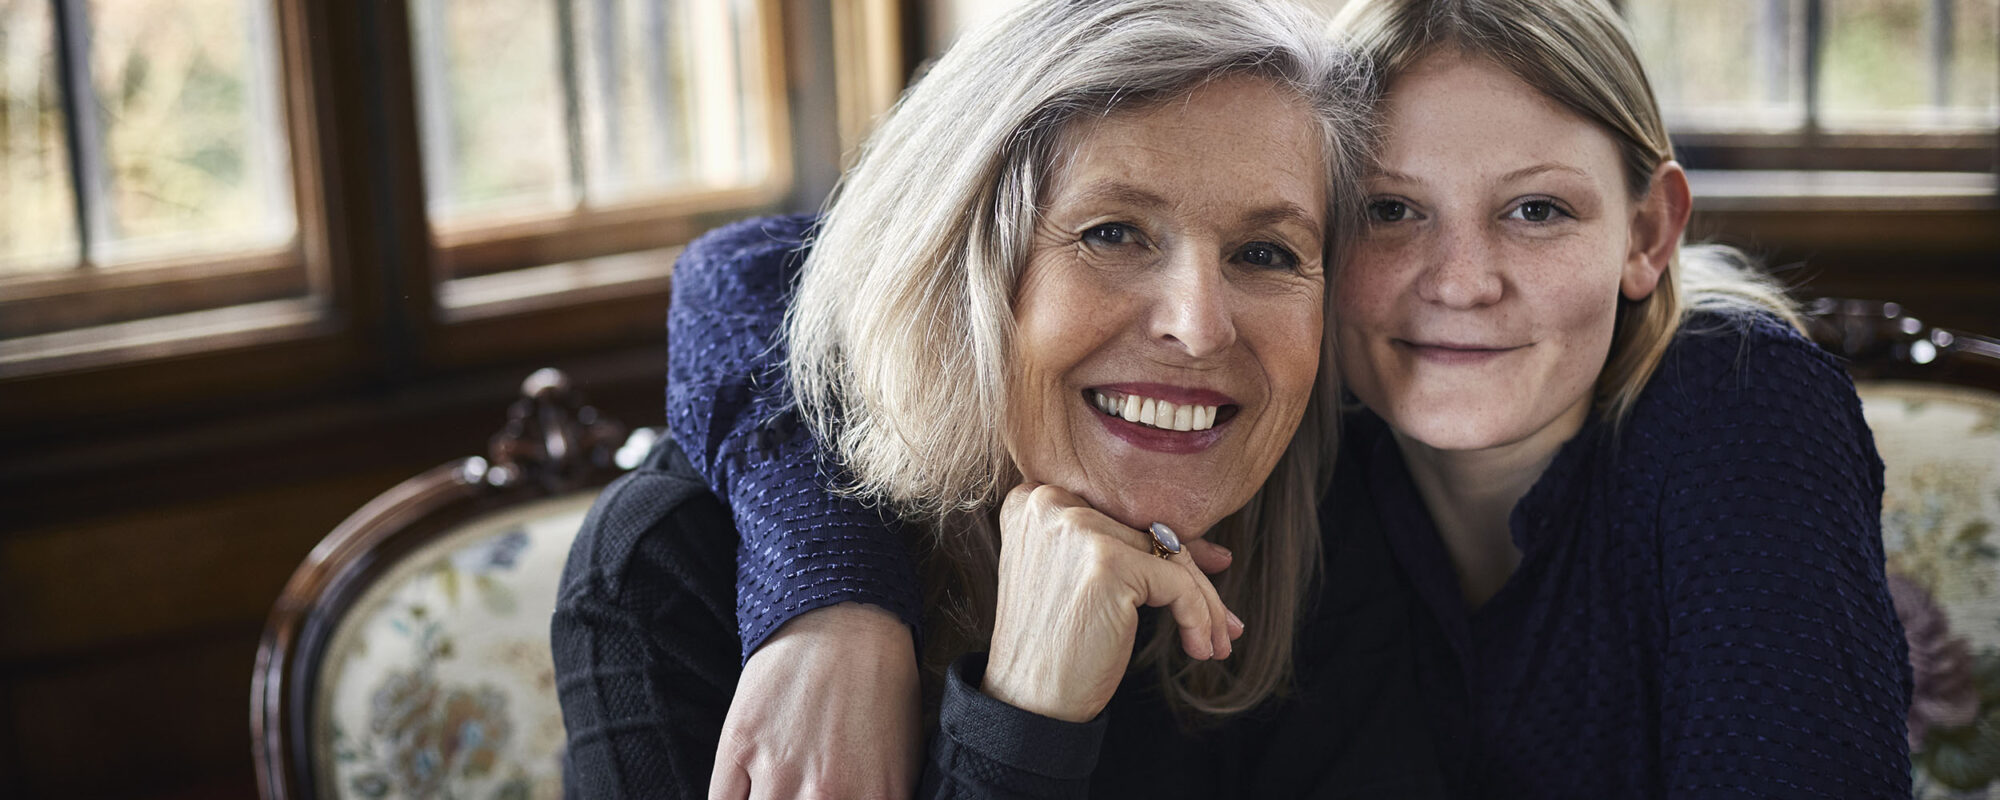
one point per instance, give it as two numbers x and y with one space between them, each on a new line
1222 551
1235 625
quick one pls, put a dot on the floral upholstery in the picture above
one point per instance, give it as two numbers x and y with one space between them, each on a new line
1940 514
438 681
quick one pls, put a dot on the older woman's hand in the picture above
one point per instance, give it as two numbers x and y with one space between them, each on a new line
1071 583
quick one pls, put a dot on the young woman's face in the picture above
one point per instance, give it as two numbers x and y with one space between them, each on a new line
1175 276
1479 307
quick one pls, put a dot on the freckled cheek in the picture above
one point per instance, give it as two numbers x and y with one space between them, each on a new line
1578 296
1366 287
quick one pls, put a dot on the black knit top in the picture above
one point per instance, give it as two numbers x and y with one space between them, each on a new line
1700 610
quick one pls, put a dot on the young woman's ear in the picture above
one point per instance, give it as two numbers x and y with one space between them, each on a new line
1657 225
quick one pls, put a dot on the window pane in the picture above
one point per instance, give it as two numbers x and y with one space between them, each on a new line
193 127
491 107
533 107
1723 64
37 215
1973 85
1898 65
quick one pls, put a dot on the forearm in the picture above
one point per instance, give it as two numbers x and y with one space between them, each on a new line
803 546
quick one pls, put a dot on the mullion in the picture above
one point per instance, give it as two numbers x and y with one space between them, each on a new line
1814 49
659 88
1940 31
572 89
1775 27
605 42
437 126
83 128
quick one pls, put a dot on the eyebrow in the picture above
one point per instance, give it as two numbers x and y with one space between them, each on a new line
1524 172
1125 193
1121 192
1537 169
1272 216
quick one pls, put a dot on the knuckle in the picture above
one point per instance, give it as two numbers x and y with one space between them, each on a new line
1073 518
1100 559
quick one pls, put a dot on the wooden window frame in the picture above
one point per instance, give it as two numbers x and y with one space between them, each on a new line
374 305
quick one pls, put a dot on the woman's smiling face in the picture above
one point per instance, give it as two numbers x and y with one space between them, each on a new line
1168 321
1479 307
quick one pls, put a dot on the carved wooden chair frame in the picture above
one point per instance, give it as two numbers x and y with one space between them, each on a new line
552 444
1881 341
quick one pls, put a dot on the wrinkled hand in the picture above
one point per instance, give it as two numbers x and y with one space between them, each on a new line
826 708
1071 583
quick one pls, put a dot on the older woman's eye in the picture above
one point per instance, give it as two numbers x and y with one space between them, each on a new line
1537 211
1387 211
1111 233
1267 255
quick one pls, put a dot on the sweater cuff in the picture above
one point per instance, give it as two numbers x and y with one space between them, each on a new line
992 730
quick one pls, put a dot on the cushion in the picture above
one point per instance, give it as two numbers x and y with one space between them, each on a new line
438 681
1940 446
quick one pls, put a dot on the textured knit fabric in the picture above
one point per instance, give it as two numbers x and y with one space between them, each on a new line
729 405
645 651
644 636
1700 609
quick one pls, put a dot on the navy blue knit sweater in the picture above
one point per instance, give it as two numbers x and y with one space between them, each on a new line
1700 610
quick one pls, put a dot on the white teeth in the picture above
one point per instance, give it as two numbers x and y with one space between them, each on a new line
1156 413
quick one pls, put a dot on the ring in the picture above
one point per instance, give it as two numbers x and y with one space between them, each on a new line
1165 543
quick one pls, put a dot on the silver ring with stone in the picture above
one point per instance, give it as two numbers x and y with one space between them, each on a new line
1165 543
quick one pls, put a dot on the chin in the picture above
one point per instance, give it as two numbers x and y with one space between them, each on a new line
1452 429
1138 511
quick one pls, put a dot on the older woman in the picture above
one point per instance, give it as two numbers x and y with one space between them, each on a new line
1064 321
1641 510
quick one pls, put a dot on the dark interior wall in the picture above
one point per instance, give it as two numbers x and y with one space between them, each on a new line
137 566
1943 266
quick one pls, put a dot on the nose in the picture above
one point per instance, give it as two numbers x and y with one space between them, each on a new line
1192 309
1461 272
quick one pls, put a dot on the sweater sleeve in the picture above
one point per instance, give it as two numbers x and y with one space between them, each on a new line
986 748
643 636
803 547
1785 672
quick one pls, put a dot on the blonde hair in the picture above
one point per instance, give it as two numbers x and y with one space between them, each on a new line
1579 54
902 329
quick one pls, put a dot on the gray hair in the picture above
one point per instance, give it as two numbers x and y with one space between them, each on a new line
901 330
901 333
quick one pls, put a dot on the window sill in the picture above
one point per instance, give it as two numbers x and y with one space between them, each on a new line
1822 190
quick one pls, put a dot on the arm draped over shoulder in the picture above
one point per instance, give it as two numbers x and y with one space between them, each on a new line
729 405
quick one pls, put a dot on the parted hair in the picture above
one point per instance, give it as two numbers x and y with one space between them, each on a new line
902 330
1579 54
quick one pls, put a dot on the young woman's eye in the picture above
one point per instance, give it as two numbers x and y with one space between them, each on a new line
1537 211
1112 234
1387 211
1267 255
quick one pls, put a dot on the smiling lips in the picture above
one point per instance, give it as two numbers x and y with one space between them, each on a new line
1154 412
1161 417
1453 353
